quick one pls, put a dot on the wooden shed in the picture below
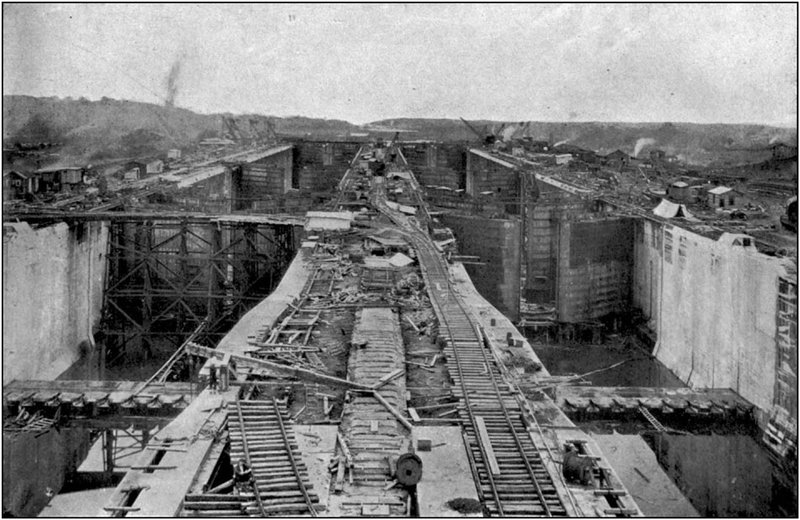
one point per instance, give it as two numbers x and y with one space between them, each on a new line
722 197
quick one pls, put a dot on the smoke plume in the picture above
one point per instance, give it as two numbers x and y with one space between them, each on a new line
641 143
172 80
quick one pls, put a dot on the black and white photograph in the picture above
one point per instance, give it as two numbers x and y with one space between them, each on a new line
399 260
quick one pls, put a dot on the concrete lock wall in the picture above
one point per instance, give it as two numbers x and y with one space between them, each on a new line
52 296
32 464
215 194
542 242
496 244
714 308
320 166
484 175
595 261
267 177
437 164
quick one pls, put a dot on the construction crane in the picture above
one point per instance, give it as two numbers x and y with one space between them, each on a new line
486 138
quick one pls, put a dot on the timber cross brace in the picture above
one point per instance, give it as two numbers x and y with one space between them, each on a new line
166 276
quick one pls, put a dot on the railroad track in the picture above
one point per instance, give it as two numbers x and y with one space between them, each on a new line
322 282
259 434
508 469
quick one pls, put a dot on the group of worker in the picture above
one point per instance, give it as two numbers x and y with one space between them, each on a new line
216 372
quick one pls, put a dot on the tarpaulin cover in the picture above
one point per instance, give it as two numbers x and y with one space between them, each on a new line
668 209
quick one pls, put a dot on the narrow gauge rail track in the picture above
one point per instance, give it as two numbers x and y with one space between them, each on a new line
259 434
510 474
261 437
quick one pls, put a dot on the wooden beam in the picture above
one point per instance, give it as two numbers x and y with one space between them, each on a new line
281 370
487 445
393 411
389 377
339 485
345 450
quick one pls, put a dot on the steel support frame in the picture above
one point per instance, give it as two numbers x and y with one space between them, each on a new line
166 276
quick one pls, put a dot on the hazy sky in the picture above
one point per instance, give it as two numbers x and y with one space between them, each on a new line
702 63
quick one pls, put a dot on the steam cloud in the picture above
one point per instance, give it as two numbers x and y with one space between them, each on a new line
172 80
641 143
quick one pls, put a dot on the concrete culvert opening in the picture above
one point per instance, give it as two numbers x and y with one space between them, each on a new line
465 505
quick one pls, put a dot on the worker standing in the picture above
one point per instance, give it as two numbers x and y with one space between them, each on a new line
212 376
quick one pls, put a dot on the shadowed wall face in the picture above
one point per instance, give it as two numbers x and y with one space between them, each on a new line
52 295
496 244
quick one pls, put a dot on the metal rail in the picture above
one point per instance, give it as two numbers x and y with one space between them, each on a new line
495 388
451 310
247 456
280 477
300 483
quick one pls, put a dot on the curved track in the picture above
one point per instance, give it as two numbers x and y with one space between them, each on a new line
510 475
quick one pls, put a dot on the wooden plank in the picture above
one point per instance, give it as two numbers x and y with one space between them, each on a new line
487 445
345 450
300 373
392 409
388 377
339 485
414 416
620 511
613 492
209 496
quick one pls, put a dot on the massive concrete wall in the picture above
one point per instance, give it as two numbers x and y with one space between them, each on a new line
722 475
266 178
32 463
595 260
542 242
713 306
496 243
214 194
319 166
437 164
52 296
492 175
